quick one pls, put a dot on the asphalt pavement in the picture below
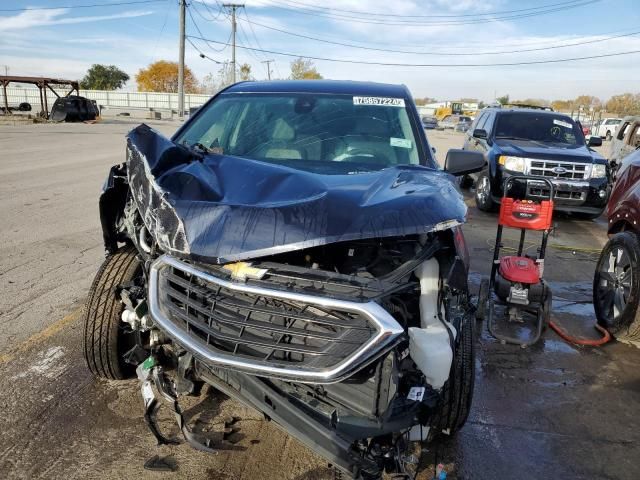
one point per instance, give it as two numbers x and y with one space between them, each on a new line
550 411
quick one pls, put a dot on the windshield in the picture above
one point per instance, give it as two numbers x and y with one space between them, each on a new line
324 133
546 128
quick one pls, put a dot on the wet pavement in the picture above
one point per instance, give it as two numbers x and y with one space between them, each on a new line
549 411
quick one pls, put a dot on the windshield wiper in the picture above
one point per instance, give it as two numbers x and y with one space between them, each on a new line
507 137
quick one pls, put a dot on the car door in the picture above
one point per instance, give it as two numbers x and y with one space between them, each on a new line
632 140
469 140
618 141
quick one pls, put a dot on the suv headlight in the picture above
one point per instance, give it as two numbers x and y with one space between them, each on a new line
598 171
513 164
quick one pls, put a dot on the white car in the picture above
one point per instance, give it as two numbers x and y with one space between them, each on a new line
606 128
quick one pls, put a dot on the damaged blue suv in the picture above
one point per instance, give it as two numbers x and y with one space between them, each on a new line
539 142
296 246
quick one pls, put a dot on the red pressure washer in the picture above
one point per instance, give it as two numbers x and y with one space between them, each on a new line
517 280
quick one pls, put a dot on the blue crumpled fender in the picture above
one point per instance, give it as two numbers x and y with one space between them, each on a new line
221 208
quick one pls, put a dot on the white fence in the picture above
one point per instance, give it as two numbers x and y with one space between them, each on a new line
105 98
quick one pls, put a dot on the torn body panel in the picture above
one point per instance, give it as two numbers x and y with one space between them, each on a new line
220 209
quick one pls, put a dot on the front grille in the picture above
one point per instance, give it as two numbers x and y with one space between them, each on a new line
572 171
262 330
557 194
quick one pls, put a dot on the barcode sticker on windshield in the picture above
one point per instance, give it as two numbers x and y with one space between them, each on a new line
400 142
382 101
561 123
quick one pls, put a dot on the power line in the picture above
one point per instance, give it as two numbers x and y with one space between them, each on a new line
422 23
193 20
214 18
202 55
306 6
351 45
91 5
389 64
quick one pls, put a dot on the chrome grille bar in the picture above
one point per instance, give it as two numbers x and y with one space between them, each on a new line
557 169
267 332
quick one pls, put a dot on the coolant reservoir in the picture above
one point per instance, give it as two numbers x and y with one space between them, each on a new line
430 346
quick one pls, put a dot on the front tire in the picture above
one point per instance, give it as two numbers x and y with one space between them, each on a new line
616 286
105 336
484 200
608 137
457 393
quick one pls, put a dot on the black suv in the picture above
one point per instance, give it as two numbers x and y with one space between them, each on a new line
535 141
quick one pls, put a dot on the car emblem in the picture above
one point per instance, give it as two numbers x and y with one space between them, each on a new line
559 170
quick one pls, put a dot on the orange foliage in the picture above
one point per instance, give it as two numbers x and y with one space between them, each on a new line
162 76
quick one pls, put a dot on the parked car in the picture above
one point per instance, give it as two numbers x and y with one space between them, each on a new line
463 124
429 122
539 142
452 121
607 127
289 245
626 141
616 284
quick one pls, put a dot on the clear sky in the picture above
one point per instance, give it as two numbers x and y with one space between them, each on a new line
64 42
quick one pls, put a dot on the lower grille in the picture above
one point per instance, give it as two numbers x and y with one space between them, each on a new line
263 331
570 171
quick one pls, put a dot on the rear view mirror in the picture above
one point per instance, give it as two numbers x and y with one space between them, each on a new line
462 162
595 141
480 133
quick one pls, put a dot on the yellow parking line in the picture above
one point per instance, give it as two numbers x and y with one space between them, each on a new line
41 335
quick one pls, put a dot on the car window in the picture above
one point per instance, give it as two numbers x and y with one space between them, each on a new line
547 128
488 124
483 120
332 133
634 138
622 131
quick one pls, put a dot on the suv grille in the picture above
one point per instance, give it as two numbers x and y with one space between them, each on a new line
572 171
251 328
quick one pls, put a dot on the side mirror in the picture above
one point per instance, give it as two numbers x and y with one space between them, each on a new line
480 133
463 162
595 141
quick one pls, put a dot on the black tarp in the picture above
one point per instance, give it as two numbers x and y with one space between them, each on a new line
73 108
221 208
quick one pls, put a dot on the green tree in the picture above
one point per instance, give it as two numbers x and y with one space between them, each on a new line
503 100
302 69
104 77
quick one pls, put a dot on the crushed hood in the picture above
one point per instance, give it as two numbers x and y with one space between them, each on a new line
222 208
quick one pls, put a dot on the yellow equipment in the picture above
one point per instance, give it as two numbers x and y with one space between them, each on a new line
452 108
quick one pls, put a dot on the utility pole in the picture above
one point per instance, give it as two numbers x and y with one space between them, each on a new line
6 70
233 7
181 61
268 62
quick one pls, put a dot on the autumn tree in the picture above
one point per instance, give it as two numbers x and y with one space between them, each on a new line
103 77
304 69
162 76
244 72
537 102
561 105
586 101
624 104
425 100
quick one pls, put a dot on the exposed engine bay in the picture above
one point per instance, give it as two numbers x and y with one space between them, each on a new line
356 347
